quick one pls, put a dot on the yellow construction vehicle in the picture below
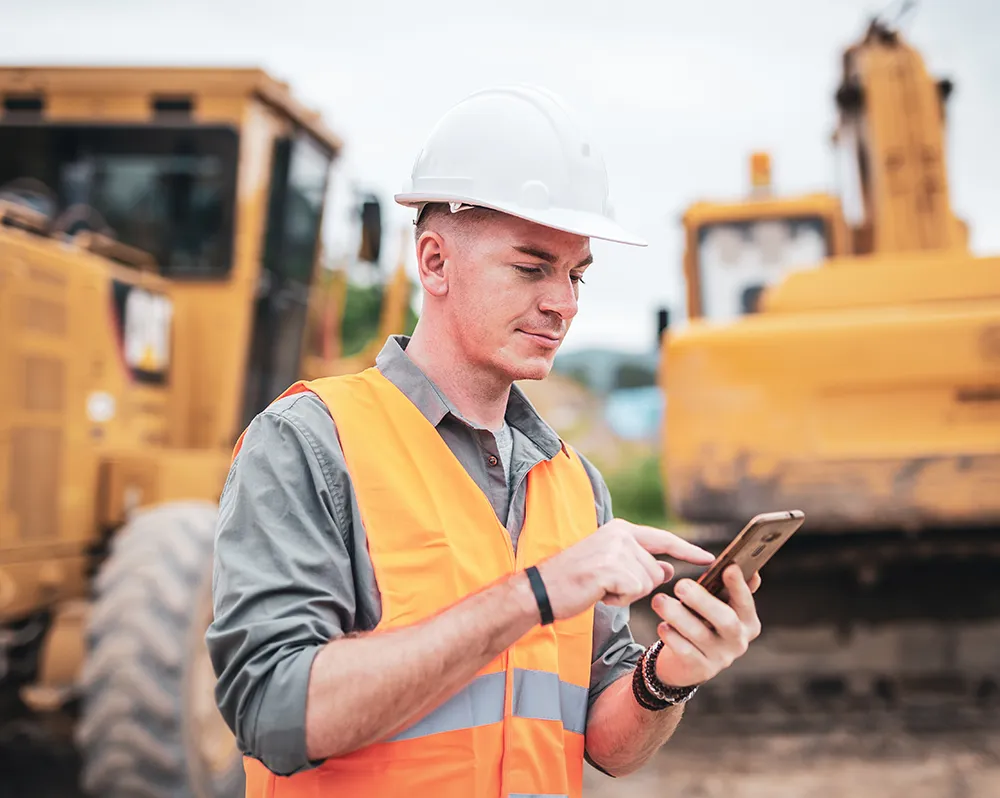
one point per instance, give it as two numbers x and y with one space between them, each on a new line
326 356
158 254
850 368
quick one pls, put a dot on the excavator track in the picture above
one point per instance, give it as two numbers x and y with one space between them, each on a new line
869 632
857 687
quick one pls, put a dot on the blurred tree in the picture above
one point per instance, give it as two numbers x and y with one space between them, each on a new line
637 493
579 375
632 375
361 315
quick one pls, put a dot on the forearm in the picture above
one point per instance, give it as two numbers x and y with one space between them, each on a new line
364 688
621 735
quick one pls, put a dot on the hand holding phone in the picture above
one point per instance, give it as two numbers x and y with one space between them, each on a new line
703 630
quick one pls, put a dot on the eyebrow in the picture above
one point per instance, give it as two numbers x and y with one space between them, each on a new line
548 257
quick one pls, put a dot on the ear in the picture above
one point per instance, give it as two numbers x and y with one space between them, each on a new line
432 262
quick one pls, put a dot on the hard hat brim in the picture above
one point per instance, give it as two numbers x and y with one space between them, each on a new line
581 223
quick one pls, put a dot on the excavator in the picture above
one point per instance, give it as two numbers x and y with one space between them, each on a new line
843 359
160 283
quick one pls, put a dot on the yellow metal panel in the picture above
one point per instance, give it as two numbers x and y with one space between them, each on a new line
27 585
700 213
133 479
137 86
803 395
888 279
9 279
219 109
84 108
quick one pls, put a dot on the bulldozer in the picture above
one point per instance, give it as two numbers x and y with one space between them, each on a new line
160 284
842 357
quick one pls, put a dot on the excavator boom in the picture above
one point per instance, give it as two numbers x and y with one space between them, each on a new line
892 116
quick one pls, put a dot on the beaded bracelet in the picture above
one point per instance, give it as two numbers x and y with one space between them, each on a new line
650 693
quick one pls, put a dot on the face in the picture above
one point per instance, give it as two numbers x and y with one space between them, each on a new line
512 289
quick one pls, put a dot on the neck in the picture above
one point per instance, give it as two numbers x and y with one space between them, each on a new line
477 393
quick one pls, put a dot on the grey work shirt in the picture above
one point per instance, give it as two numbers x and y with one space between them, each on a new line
292 570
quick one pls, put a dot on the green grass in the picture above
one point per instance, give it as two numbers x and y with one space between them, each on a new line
637 493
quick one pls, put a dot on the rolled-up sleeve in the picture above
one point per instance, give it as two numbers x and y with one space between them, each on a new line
282 585
615 652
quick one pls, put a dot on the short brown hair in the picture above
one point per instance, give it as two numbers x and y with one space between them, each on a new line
433 211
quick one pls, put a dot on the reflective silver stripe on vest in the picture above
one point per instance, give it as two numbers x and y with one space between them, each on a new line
537 795
544 696
479 704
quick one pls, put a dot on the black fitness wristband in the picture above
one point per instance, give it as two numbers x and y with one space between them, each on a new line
541 596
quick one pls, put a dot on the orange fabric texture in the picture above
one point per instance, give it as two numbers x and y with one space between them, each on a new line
434 539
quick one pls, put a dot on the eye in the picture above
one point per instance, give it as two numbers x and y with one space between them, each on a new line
577 278
528 270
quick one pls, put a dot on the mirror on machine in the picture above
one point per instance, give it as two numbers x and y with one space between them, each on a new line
662 323
370 247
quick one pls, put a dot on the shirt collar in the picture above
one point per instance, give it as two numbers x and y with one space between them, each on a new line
401 371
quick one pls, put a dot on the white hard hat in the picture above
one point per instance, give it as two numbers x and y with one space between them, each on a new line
518 150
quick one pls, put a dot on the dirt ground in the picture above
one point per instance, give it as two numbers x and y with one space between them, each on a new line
831 765
834 765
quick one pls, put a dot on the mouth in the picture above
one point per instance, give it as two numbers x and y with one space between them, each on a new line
545 340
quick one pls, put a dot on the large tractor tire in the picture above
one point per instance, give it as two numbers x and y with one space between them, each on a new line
149 726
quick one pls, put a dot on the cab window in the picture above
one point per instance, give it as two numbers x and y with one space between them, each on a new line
167 190
738 260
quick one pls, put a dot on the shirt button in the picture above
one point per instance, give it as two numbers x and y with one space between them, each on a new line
492 460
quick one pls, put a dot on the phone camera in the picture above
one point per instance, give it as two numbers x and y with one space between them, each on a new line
771 536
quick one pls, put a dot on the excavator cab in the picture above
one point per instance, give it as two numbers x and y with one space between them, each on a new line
734 251
216 179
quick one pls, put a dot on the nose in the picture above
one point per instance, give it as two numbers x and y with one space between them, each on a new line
560 298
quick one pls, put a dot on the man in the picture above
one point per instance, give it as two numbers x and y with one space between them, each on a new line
419 588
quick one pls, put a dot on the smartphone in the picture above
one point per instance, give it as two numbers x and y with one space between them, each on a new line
754 546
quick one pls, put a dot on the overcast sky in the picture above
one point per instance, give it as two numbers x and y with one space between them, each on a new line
677 95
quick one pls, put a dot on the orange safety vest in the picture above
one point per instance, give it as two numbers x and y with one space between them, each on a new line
518 728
